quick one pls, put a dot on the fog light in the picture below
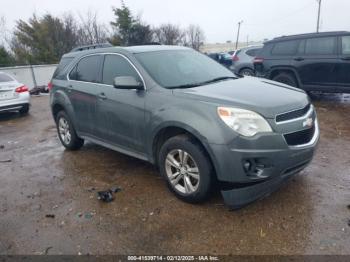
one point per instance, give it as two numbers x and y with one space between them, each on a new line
247 165
254 168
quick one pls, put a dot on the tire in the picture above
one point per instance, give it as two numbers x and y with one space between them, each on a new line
286 78
24 110
198 185
246 72
67 133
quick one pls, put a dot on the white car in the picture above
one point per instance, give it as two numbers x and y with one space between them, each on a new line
14 96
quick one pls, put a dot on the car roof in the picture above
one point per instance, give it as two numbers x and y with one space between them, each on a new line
309 35
128 49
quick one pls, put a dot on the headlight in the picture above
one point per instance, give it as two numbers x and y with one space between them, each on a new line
244 122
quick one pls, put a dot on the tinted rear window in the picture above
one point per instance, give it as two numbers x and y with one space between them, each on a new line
320 46
345 45
5 78
285 48
87 70
253 52
62 65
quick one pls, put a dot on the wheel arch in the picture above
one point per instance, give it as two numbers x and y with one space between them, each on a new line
60 101
289 70
165 132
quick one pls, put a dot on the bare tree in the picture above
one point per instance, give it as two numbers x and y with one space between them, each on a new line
169 34
194 36
91 31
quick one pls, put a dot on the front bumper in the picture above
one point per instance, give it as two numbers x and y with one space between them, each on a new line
274 165
15 104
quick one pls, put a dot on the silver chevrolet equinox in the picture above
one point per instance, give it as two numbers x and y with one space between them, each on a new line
203 127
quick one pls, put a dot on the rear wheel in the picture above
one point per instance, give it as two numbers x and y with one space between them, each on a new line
186 168
67 133
286 78
24 110
246 72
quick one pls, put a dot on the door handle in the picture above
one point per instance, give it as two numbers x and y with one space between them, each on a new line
346 58
102 96
299 59
69 88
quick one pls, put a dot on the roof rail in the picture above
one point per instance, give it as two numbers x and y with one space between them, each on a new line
87 47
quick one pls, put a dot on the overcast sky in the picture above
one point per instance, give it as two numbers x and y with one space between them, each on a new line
219 18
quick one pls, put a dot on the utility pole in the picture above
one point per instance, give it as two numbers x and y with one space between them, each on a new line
318 16
239 28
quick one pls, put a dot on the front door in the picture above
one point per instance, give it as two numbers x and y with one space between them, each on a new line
121 112
344 65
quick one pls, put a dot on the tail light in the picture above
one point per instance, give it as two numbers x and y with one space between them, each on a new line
235 58
22 89
258 60
49 86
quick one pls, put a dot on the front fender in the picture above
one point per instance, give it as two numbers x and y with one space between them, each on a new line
198 118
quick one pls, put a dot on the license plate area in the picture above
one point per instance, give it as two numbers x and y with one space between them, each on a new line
5 95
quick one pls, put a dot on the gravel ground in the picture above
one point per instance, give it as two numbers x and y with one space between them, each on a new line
309 215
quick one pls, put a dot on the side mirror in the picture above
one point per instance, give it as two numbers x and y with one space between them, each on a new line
127 82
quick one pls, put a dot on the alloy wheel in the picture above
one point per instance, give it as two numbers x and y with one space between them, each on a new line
182 171
64 131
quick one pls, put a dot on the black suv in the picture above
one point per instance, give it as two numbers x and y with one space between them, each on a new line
313 62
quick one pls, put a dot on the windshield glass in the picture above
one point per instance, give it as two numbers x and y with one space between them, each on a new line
182 68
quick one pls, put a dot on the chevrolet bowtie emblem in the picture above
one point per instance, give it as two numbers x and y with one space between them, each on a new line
308 122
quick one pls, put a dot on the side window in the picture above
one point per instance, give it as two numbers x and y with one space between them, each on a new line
252 52
320 46
301 48
286 48
62 65
345 43
87 70
73 73
114 66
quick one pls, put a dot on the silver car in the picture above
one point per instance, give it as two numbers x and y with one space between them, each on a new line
14 96
242 60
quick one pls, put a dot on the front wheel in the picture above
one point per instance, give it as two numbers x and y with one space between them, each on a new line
67 133
187 169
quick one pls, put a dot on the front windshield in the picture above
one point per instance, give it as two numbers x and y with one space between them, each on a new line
182 68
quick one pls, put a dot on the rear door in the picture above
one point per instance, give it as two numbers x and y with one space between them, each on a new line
281 54
83 92
120 119
344 65
316 62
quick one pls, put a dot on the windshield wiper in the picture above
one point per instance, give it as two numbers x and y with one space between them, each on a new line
219 79
203 83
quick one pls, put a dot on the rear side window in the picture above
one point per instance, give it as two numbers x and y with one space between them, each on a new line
345 42
320 46
285 48
65 61
5 78
87 70
253 52
114 66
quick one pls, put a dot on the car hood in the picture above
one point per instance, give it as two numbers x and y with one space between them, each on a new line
265 97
